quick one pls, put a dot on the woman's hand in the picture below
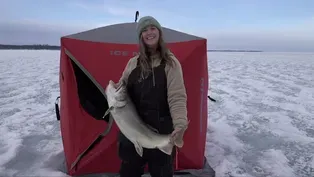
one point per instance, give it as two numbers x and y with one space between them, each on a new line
177 137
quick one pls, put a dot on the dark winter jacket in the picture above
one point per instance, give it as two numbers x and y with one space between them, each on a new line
176 92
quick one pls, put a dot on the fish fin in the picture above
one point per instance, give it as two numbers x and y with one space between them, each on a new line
138 148
167 149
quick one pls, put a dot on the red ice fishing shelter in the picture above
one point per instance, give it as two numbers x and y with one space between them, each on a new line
88 61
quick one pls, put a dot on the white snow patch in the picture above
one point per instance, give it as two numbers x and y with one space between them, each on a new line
264 102
275 162
9 144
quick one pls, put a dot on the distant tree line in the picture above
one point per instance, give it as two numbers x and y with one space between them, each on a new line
29 47
234 51
54 47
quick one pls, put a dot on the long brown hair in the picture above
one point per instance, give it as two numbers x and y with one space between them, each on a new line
144 54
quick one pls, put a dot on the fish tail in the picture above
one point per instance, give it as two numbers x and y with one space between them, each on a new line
167 149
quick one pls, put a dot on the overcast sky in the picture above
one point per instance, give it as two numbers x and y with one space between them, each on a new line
268 25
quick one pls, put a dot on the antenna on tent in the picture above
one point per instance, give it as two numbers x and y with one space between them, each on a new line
136 15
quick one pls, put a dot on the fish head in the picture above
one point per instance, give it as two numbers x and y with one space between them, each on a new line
121 91
110 89
109 92
116 94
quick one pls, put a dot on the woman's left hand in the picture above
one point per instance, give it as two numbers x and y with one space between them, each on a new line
177 137
174 134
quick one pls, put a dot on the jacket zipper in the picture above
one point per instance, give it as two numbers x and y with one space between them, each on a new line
153 73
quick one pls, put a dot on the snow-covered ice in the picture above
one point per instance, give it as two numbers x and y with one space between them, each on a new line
262 124
263 121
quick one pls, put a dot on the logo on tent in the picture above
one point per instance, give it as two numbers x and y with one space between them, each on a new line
122 53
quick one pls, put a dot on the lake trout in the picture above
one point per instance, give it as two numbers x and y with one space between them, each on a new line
125 115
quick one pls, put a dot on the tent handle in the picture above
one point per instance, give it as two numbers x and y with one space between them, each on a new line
211 99
57 108
137 13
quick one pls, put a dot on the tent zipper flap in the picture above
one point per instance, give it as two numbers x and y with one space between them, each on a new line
106 131
109 125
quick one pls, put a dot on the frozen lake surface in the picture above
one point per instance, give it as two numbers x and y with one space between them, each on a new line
262 124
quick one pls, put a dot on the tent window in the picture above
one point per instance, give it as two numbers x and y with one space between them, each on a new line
91 98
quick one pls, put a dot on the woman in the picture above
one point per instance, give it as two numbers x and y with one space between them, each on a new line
155 84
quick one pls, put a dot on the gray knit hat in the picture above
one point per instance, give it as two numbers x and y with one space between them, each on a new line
146 21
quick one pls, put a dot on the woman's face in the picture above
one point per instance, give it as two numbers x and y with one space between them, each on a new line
150 36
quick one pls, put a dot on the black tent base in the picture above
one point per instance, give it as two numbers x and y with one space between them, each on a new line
57 163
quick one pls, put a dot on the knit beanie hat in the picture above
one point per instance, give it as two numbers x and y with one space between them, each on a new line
146 21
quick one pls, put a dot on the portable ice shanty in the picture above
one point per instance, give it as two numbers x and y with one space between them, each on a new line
88 61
